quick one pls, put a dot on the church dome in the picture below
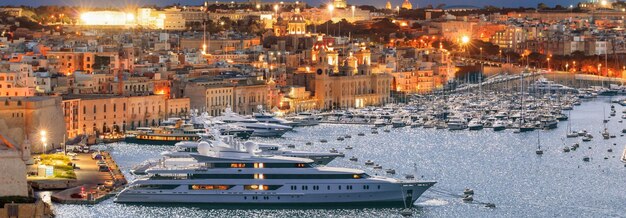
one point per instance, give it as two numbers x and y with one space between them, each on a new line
407 5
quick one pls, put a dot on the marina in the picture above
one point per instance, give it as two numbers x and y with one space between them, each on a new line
501 167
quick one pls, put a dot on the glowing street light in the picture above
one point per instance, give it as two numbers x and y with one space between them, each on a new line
465 39
276 10
44 139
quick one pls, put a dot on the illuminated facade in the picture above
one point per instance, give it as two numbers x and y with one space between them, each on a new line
96 114
347 83
106 18
340 3
407 5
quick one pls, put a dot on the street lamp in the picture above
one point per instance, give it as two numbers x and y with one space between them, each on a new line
464 41
44 139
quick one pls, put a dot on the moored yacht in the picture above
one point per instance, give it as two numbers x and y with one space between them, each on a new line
306 119
475 124
226 176
265 117
455 123
499 125
260 129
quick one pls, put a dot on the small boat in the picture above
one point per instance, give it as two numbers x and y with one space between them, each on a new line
468 191
333 150
349 147
586 139
291 146
386 130
323 140
361 134
390 171
369 162
406 212
582 132
340 138
566 149
348 136
610 150
490 205
378 167
354 159
539 151
586 159
309 143
409 177
374 131
468 198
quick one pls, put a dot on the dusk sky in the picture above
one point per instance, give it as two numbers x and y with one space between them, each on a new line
378 3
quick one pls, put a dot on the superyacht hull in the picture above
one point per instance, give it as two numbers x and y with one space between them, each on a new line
391 195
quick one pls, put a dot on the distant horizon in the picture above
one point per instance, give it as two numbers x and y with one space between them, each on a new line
314 3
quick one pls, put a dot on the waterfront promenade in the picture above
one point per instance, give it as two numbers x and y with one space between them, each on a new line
94 185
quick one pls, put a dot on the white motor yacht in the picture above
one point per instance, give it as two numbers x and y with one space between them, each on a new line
260 129
397 122
226 176
306 119
455 123
475 124
264 117
499 125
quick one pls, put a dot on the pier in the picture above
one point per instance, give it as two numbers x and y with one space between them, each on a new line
94 183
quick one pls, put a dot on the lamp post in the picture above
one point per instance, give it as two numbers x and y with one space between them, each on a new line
44 139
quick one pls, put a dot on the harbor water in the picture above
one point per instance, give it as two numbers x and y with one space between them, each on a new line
501 167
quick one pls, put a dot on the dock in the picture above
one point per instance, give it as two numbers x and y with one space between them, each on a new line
94 186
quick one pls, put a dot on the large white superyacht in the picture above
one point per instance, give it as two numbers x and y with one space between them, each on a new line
231 176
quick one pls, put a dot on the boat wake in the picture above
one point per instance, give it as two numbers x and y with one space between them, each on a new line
432 203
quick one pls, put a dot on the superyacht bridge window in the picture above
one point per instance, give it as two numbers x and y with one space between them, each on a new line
261 165
261 187
210 187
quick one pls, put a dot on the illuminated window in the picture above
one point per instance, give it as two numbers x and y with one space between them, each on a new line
259 176
237 165
209 187
258 165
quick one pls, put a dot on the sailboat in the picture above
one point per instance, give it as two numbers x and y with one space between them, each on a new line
569 133
539 151
605 132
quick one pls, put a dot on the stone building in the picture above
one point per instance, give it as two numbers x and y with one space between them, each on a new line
22 117
349 82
